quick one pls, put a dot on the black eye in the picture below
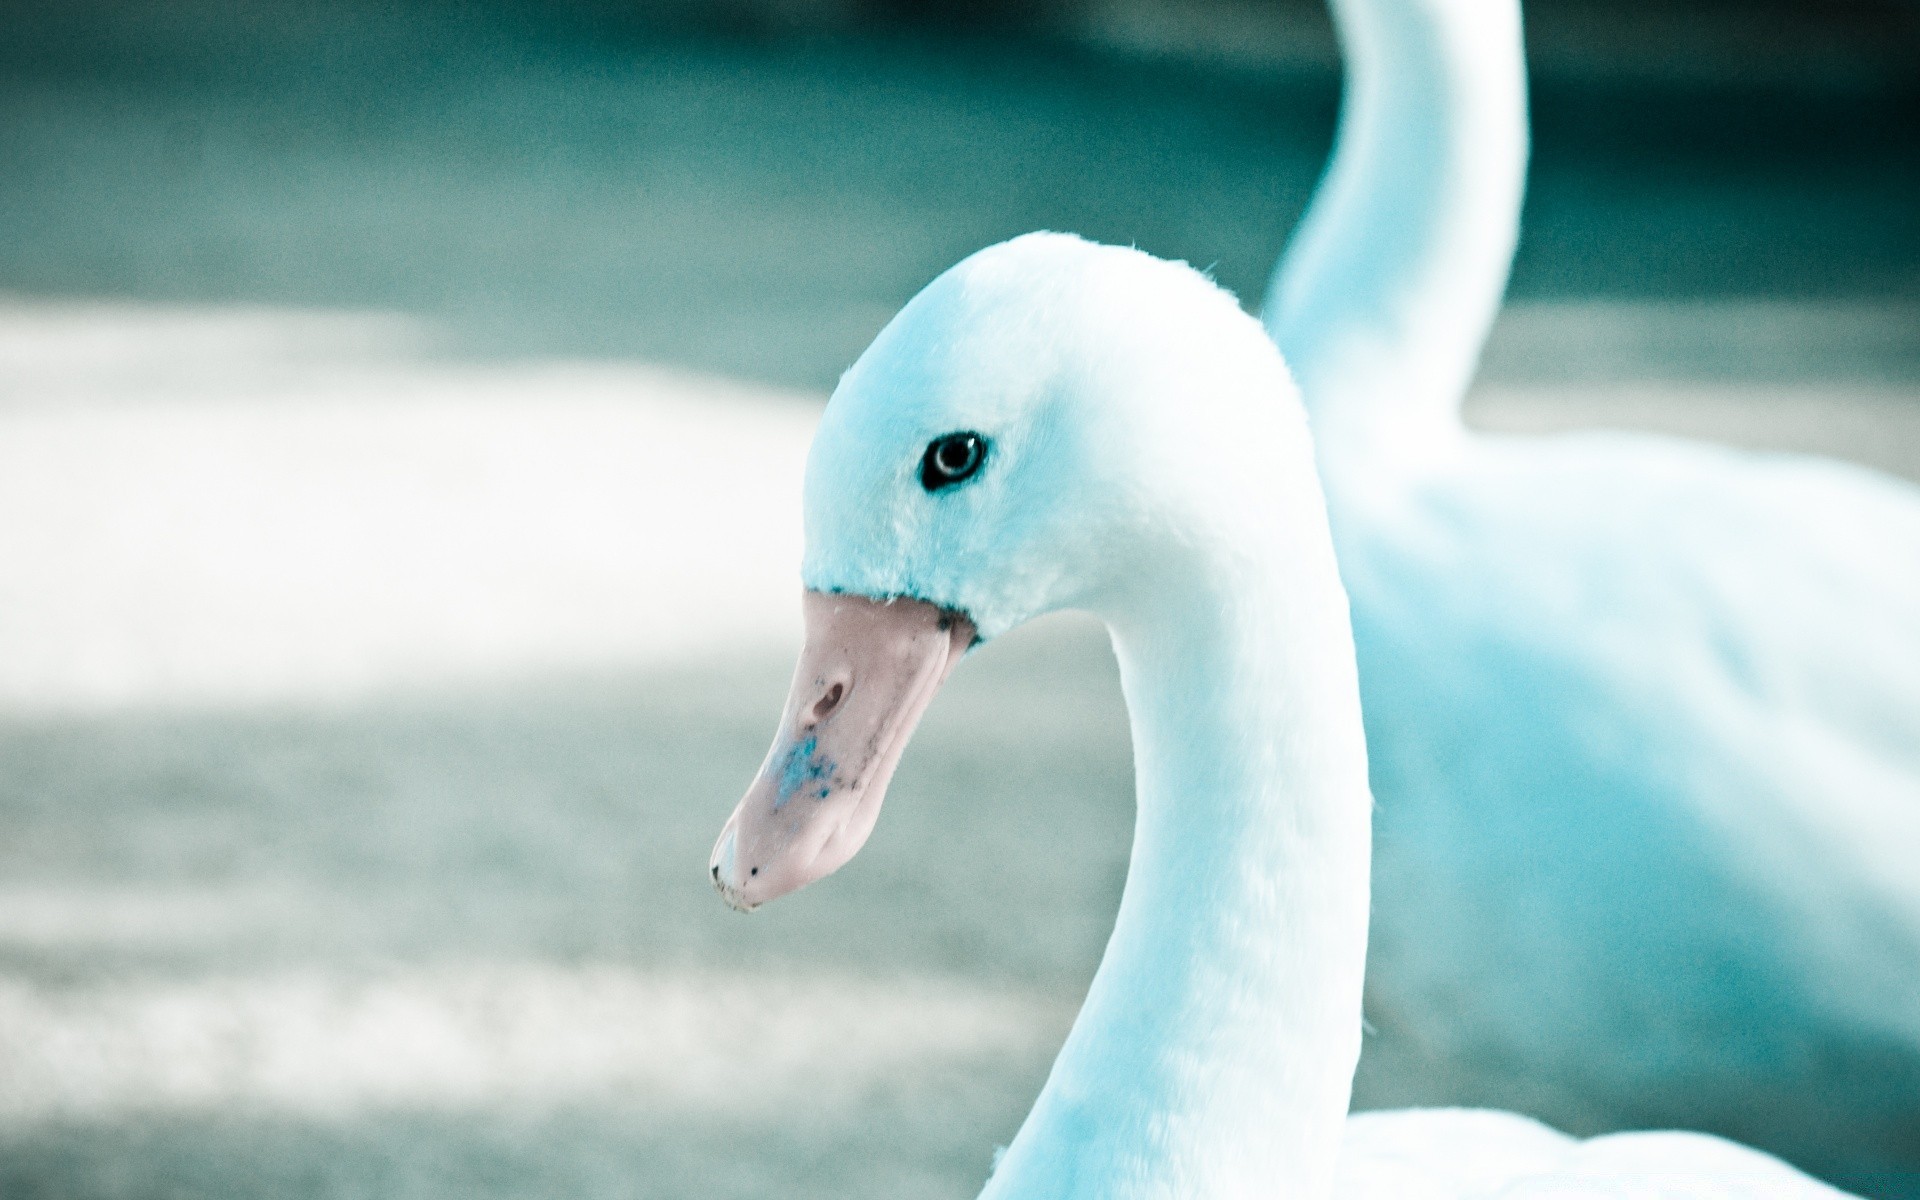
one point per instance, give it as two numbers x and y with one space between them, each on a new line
952 458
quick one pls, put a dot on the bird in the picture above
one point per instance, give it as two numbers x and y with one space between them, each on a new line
1054 424
1644 713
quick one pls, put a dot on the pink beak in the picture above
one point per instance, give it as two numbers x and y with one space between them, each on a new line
867 672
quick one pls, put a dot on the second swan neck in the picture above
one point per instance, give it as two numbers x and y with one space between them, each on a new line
1389 287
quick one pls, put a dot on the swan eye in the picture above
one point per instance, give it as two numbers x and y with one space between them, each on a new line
952 458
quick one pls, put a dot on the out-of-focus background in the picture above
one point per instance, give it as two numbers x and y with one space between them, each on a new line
401 413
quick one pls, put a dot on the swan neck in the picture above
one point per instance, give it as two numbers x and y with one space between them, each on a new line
1215 1052
1391 283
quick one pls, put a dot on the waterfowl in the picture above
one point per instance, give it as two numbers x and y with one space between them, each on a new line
1054 424
1644 714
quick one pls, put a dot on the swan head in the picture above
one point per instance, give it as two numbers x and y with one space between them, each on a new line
1030 433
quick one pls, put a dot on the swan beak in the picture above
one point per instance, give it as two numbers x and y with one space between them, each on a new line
868 670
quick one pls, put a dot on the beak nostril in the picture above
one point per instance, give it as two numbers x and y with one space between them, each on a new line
824 706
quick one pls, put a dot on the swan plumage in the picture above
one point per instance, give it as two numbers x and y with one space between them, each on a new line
1147 460
1476 1154
1644 714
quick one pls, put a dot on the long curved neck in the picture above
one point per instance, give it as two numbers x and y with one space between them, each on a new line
1214 1055
1384 298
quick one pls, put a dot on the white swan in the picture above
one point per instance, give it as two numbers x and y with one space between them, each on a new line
1644 715
1053 424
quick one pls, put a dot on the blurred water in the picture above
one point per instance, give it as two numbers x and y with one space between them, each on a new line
760 206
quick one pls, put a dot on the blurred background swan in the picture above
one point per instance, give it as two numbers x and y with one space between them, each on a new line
393 398
1643 713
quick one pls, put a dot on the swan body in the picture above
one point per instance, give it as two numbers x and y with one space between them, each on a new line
1134 447
1644 714
1454 1154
